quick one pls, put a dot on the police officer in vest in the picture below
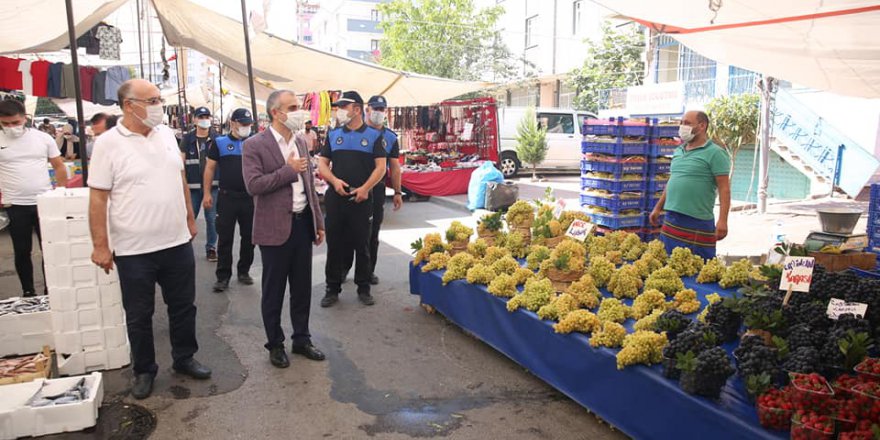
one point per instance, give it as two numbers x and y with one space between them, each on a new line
357 154
234 204
194 146
376 107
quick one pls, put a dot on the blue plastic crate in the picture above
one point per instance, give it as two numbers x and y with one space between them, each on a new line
615 186
617 222
655 150
617 148
617 168
614 204
656 185
615 127
659 168
664 131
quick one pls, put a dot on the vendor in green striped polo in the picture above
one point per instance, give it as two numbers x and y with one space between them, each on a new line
699 173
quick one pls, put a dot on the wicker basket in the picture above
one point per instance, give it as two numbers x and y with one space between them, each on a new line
525 231
458 247
562 280
553 242
489 238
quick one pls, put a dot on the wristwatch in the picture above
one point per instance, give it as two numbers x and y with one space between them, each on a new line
398 193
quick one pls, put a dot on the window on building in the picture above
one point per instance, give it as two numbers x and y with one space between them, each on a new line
374 15
374 45
530 27
576 16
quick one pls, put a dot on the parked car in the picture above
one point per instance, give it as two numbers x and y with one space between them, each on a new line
564 135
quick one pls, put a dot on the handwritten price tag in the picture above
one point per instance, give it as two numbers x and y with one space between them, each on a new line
837 307
559 208
797 274
579 230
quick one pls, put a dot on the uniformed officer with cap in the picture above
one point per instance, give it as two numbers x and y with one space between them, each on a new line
194 146
234 204
357 154
376 107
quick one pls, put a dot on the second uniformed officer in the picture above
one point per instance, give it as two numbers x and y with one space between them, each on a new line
234 204
357 153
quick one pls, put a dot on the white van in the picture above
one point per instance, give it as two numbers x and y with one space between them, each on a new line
564 127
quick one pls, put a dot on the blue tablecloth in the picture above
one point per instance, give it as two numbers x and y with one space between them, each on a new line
637 400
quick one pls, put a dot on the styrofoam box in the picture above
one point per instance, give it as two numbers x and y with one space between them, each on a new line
106 279
113 316
67 253
19 420
111 294
94 360
62 203
17 344
91 340
80 275
64 229
68 299
77 320
26 333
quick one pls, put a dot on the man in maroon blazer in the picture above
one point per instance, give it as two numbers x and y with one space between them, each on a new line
287 221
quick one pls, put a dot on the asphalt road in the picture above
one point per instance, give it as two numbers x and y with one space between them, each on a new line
393 370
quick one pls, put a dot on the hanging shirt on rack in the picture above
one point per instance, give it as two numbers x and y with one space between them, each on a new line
10 77
68 85
116 75
109 38
40 77
55 83
86 75
27 81
98 82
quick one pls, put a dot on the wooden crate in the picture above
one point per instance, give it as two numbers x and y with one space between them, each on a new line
838 262
43 370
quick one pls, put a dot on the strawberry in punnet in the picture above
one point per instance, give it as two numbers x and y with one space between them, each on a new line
810 382
846 413
869 367
843 385
856 435
809 425
774 409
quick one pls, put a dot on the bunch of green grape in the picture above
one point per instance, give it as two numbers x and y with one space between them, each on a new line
601 270
611 309
641 347
647 303
436 261
616 239
522 274
585 291
657 250
582 321
537 254
685 262
632 247
737 274
431 244
625 282
598 246
647 264
712 272
558 307
503 285
506 264
686 301
480 274
493 254
649 321
665 280
536 294
457 267
615 257
478 248
610 334
516 244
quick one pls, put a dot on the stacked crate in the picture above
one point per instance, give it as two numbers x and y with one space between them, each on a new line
663 140
88 321
873 229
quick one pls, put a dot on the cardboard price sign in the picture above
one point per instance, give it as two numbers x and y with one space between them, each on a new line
559 208
579 230
837 307
797 274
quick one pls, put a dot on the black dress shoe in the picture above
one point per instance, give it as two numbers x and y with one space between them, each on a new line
143 386
221 285
193 369
366 299
374 279
309 351
245 279
329 299
278 357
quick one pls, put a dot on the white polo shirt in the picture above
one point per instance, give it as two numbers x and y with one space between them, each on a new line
23 171
299 190
147 207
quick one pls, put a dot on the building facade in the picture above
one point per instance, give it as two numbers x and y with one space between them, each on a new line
348 28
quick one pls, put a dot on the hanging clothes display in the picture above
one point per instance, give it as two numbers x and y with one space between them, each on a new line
116 75
27 81
55 80
109 39
68 84
40 77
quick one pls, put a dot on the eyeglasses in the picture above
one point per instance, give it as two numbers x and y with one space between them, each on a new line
151 101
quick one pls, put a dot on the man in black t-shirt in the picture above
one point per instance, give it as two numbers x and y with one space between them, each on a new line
357 153
234 204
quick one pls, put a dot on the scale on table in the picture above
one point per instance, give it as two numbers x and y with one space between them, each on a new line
837 228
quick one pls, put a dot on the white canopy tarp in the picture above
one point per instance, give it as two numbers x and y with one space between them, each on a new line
41 25
289 65
825 45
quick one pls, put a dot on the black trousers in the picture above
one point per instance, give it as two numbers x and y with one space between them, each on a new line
289 264
23 222
378 217
234 207
174 269
348 226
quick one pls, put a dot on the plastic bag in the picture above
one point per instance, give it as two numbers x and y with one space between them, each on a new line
484 174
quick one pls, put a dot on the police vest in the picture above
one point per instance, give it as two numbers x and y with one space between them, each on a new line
353 140
390 138
227 146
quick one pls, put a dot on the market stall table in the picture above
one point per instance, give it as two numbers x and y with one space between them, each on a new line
637 400
437 183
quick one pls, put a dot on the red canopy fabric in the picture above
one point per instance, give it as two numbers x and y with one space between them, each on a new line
438 183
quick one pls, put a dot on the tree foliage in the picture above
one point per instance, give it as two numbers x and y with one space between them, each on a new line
445 38
734 121
614 62
531 141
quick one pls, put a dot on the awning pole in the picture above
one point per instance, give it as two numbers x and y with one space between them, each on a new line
250 67
764 157
220 68
140 38
179 92
71 33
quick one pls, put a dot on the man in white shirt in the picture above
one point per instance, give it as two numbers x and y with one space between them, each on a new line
137 168
24 176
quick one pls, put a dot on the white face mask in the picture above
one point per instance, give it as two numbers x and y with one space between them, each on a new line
242 132
296 120
377 117
14 132
204 123
342 117
155 115
686 133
